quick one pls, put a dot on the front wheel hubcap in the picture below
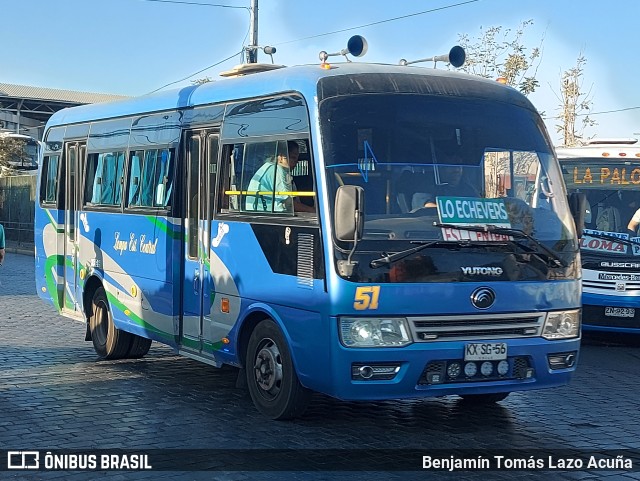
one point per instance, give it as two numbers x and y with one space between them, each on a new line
268 368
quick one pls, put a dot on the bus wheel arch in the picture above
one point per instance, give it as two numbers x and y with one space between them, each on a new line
271 375
92 284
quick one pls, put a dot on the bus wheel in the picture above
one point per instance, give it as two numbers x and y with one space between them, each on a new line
271 377
484 398
108 341
139 347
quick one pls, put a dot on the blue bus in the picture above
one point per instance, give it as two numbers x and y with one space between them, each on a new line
606 171
364 231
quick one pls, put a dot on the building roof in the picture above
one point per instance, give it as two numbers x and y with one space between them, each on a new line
56 95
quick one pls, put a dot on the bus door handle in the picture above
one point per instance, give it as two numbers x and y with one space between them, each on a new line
196 281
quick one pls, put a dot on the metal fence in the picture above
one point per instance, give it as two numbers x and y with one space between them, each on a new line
17 208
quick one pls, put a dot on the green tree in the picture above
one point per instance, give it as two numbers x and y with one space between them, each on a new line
499 52
11 150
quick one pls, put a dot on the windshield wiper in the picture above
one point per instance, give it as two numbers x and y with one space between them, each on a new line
387 259
627 242
508 231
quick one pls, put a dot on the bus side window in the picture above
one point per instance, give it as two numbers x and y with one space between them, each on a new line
119 179
232 156
49 180
134 180
164 179
150 178
94 170
104 177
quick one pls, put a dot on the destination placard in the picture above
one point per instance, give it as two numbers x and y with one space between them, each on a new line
472 211
591 243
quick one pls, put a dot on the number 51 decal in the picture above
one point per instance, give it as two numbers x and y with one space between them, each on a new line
366 298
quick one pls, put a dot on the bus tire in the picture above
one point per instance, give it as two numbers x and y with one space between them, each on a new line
484 398
139 347
109 342
271 377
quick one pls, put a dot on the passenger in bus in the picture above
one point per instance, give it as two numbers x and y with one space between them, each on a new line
452 183
632 227
273 181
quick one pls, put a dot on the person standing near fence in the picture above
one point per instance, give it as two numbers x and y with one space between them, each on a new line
1 244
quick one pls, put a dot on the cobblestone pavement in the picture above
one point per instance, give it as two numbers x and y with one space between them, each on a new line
56 395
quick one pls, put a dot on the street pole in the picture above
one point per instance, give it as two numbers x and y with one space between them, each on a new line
252 54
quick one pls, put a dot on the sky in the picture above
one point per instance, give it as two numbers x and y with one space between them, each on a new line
134 47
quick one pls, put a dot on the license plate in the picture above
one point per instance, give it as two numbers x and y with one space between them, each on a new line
485 351
619 311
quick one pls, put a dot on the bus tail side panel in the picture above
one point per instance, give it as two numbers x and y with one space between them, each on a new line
133 258
49 258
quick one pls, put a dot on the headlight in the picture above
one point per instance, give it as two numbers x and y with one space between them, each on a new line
366 332
562 325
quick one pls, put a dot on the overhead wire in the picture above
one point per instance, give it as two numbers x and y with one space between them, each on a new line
198 3
304 38
199 71
182 2
378 22
596 113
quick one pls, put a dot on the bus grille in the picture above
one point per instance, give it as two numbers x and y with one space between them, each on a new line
485 326
612 286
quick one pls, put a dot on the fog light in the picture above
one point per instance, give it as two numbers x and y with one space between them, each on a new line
454 369
486 368
470 369
562 360
374 372
503 368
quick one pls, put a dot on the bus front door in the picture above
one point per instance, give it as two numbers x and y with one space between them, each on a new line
74 155
201 154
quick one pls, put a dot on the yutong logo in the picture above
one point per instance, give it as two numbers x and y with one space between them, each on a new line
628 265
483 298
482 271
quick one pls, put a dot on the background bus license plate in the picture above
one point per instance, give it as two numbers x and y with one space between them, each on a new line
485 351
619 311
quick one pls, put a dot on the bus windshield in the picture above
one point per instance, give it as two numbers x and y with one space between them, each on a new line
20 154
613 199
411 153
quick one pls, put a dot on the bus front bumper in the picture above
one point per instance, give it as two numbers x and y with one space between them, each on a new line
439 369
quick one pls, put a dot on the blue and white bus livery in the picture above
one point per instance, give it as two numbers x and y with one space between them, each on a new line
401 282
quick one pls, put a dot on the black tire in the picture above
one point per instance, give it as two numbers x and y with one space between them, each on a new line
108 341
139 347
484 398
271 377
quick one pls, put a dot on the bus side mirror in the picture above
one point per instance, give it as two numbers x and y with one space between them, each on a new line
578 207
349 223
349 213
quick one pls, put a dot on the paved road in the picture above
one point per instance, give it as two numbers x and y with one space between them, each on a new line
56 395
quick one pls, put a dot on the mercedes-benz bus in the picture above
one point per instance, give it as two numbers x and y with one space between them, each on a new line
607 173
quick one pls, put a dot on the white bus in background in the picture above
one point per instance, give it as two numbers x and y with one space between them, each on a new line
27 163
607 171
